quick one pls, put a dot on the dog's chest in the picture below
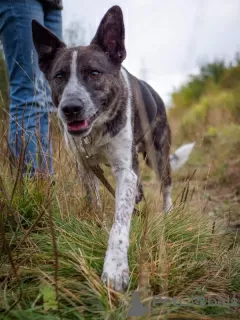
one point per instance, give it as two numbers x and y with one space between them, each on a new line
93 154
90 148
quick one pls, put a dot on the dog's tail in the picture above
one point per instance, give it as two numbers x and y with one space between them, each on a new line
180 156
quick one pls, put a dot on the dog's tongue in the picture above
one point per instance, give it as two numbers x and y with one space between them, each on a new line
77 125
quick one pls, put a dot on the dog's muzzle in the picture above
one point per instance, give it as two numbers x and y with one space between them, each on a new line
77 123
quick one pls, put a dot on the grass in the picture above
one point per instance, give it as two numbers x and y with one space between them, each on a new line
53 247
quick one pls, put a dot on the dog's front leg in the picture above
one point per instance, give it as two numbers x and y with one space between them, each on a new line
115 270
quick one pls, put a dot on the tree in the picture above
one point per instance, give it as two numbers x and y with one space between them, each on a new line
213 70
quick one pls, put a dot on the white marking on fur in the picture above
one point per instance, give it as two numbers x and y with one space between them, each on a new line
116 270
119 153
180 156
73 80
74 90
129 107
167 200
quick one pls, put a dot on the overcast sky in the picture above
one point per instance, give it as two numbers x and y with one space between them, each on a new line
170 37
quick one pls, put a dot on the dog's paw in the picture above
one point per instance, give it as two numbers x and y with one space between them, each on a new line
115 271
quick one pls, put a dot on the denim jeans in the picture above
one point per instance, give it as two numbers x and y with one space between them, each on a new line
30 98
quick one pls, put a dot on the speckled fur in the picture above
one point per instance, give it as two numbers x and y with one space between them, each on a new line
118 132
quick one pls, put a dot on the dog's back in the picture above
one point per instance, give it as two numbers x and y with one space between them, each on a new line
150 119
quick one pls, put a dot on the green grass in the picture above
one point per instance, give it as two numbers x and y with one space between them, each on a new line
52 244
53 249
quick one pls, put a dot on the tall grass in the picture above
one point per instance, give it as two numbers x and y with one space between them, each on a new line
52 243
53 246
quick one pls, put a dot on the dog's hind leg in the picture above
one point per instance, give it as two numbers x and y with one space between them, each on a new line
166 188
156 156
163 173
91 185
135 165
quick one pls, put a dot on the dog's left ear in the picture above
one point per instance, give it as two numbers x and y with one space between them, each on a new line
110 35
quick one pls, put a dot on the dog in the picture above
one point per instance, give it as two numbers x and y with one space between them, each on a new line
110 116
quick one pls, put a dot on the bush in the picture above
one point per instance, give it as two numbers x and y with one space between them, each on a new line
210 76
212 110
231 78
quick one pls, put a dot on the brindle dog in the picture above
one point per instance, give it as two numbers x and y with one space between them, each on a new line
111 116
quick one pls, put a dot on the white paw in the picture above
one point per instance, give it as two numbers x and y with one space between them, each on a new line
115 271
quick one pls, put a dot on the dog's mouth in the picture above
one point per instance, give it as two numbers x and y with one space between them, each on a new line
80 126
76 126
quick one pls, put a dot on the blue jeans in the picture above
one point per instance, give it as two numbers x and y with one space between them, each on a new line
30 98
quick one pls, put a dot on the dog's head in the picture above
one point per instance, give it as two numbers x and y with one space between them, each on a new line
84 80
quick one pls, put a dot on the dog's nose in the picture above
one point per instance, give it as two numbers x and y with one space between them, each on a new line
71 111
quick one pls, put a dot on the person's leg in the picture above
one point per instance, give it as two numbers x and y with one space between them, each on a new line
52 21
27 107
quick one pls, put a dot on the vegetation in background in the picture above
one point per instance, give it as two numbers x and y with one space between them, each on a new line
207 109
212 77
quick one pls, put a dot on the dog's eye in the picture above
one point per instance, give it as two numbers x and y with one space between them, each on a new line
59 77
95 74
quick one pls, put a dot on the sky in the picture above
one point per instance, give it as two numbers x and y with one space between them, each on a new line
168 38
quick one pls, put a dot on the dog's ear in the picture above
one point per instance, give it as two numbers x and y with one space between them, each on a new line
110 35
46 44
